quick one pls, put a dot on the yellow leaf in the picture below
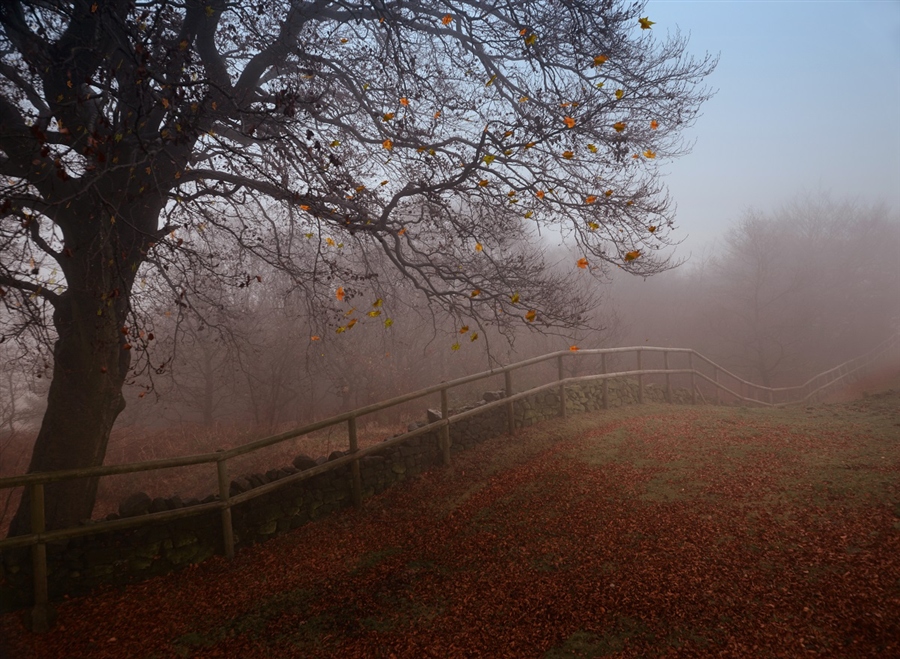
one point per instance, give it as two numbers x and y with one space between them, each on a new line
530 39
599 85
600 60
308 235
388 322
479 247
514 298
388 144
330 242
340 330
592 148
373 314
377 303
590 199
476 292
619 126
568 155
569 121
649 154
446 20
336 143
455 346
474 336
483 183
531 315
619 93
388 116
582 263
404 101
523 99
339 294
352 323
488 159
507 152
631 256
593 226
573 348
463 329
646 23
491 81
654 124
529 214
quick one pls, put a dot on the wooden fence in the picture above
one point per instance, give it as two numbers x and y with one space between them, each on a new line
726 385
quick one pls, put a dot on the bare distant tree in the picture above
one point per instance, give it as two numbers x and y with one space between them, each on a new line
134 131
805 287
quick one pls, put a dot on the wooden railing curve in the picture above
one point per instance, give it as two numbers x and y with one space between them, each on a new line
39 537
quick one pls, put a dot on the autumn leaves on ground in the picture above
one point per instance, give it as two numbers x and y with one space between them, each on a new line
648 531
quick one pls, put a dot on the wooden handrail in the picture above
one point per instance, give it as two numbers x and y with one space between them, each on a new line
208 458
39 537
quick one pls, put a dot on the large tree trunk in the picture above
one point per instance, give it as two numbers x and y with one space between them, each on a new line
90 364
91 354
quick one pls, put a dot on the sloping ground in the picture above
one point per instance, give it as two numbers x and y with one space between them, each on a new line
881 379
654 531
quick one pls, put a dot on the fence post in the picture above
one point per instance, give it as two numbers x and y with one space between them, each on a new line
716 378
355 480
445 430
562 387
40 614
693 382
668 383
224 495
605 381
510 412
640 378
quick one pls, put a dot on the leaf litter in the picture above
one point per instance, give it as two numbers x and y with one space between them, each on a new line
654 531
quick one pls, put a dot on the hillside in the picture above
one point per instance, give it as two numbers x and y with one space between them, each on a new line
695 530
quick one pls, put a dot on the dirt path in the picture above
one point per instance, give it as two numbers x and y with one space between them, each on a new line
652 531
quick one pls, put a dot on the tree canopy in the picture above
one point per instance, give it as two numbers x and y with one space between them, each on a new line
315 136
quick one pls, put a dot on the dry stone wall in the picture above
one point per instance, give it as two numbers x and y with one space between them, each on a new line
79 565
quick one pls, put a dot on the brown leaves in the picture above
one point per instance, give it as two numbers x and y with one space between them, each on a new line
665 527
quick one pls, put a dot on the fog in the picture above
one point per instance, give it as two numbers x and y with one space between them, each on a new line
778 297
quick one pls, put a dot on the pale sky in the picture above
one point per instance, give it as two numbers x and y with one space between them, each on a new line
808 99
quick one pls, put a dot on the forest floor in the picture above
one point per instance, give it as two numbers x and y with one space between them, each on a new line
640 532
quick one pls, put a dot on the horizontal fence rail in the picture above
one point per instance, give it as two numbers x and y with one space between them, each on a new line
737 389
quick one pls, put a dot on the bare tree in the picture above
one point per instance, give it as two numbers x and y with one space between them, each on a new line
805 287
131 132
